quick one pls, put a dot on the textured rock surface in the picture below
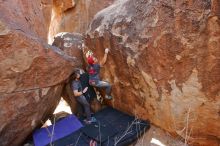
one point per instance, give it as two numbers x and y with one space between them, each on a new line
31 72
68 96
70 43
22 112
27 16
164 63
74 15
156 137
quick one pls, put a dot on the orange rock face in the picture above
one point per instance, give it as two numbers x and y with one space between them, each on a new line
164 63
74 15
31 71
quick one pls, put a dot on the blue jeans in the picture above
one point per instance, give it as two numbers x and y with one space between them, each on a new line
104 84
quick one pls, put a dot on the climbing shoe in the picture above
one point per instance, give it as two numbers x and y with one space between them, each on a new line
87 121
93 119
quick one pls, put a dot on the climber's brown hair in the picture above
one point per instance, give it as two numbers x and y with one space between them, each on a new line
74 74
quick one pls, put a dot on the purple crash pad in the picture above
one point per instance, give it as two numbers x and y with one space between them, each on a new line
62 128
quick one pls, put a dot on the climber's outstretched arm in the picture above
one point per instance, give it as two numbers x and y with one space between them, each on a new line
104 59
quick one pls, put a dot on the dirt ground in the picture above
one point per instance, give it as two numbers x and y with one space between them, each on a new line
153 137
157 137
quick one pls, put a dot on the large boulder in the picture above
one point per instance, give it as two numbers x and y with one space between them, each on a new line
164 63
74 15
23 111
27 16
31 71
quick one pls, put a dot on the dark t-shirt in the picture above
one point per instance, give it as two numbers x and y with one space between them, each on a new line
84 80
76 85
93 71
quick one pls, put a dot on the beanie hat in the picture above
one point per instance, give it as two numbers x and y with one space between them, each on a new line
90 60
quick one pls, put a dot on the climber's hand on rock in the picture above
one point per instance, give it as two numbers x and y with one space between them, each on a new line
83 45
106 50
85 90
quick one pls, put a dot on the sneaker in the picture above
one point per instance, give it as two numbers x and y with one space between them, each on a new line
87 121
108 97
93 119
